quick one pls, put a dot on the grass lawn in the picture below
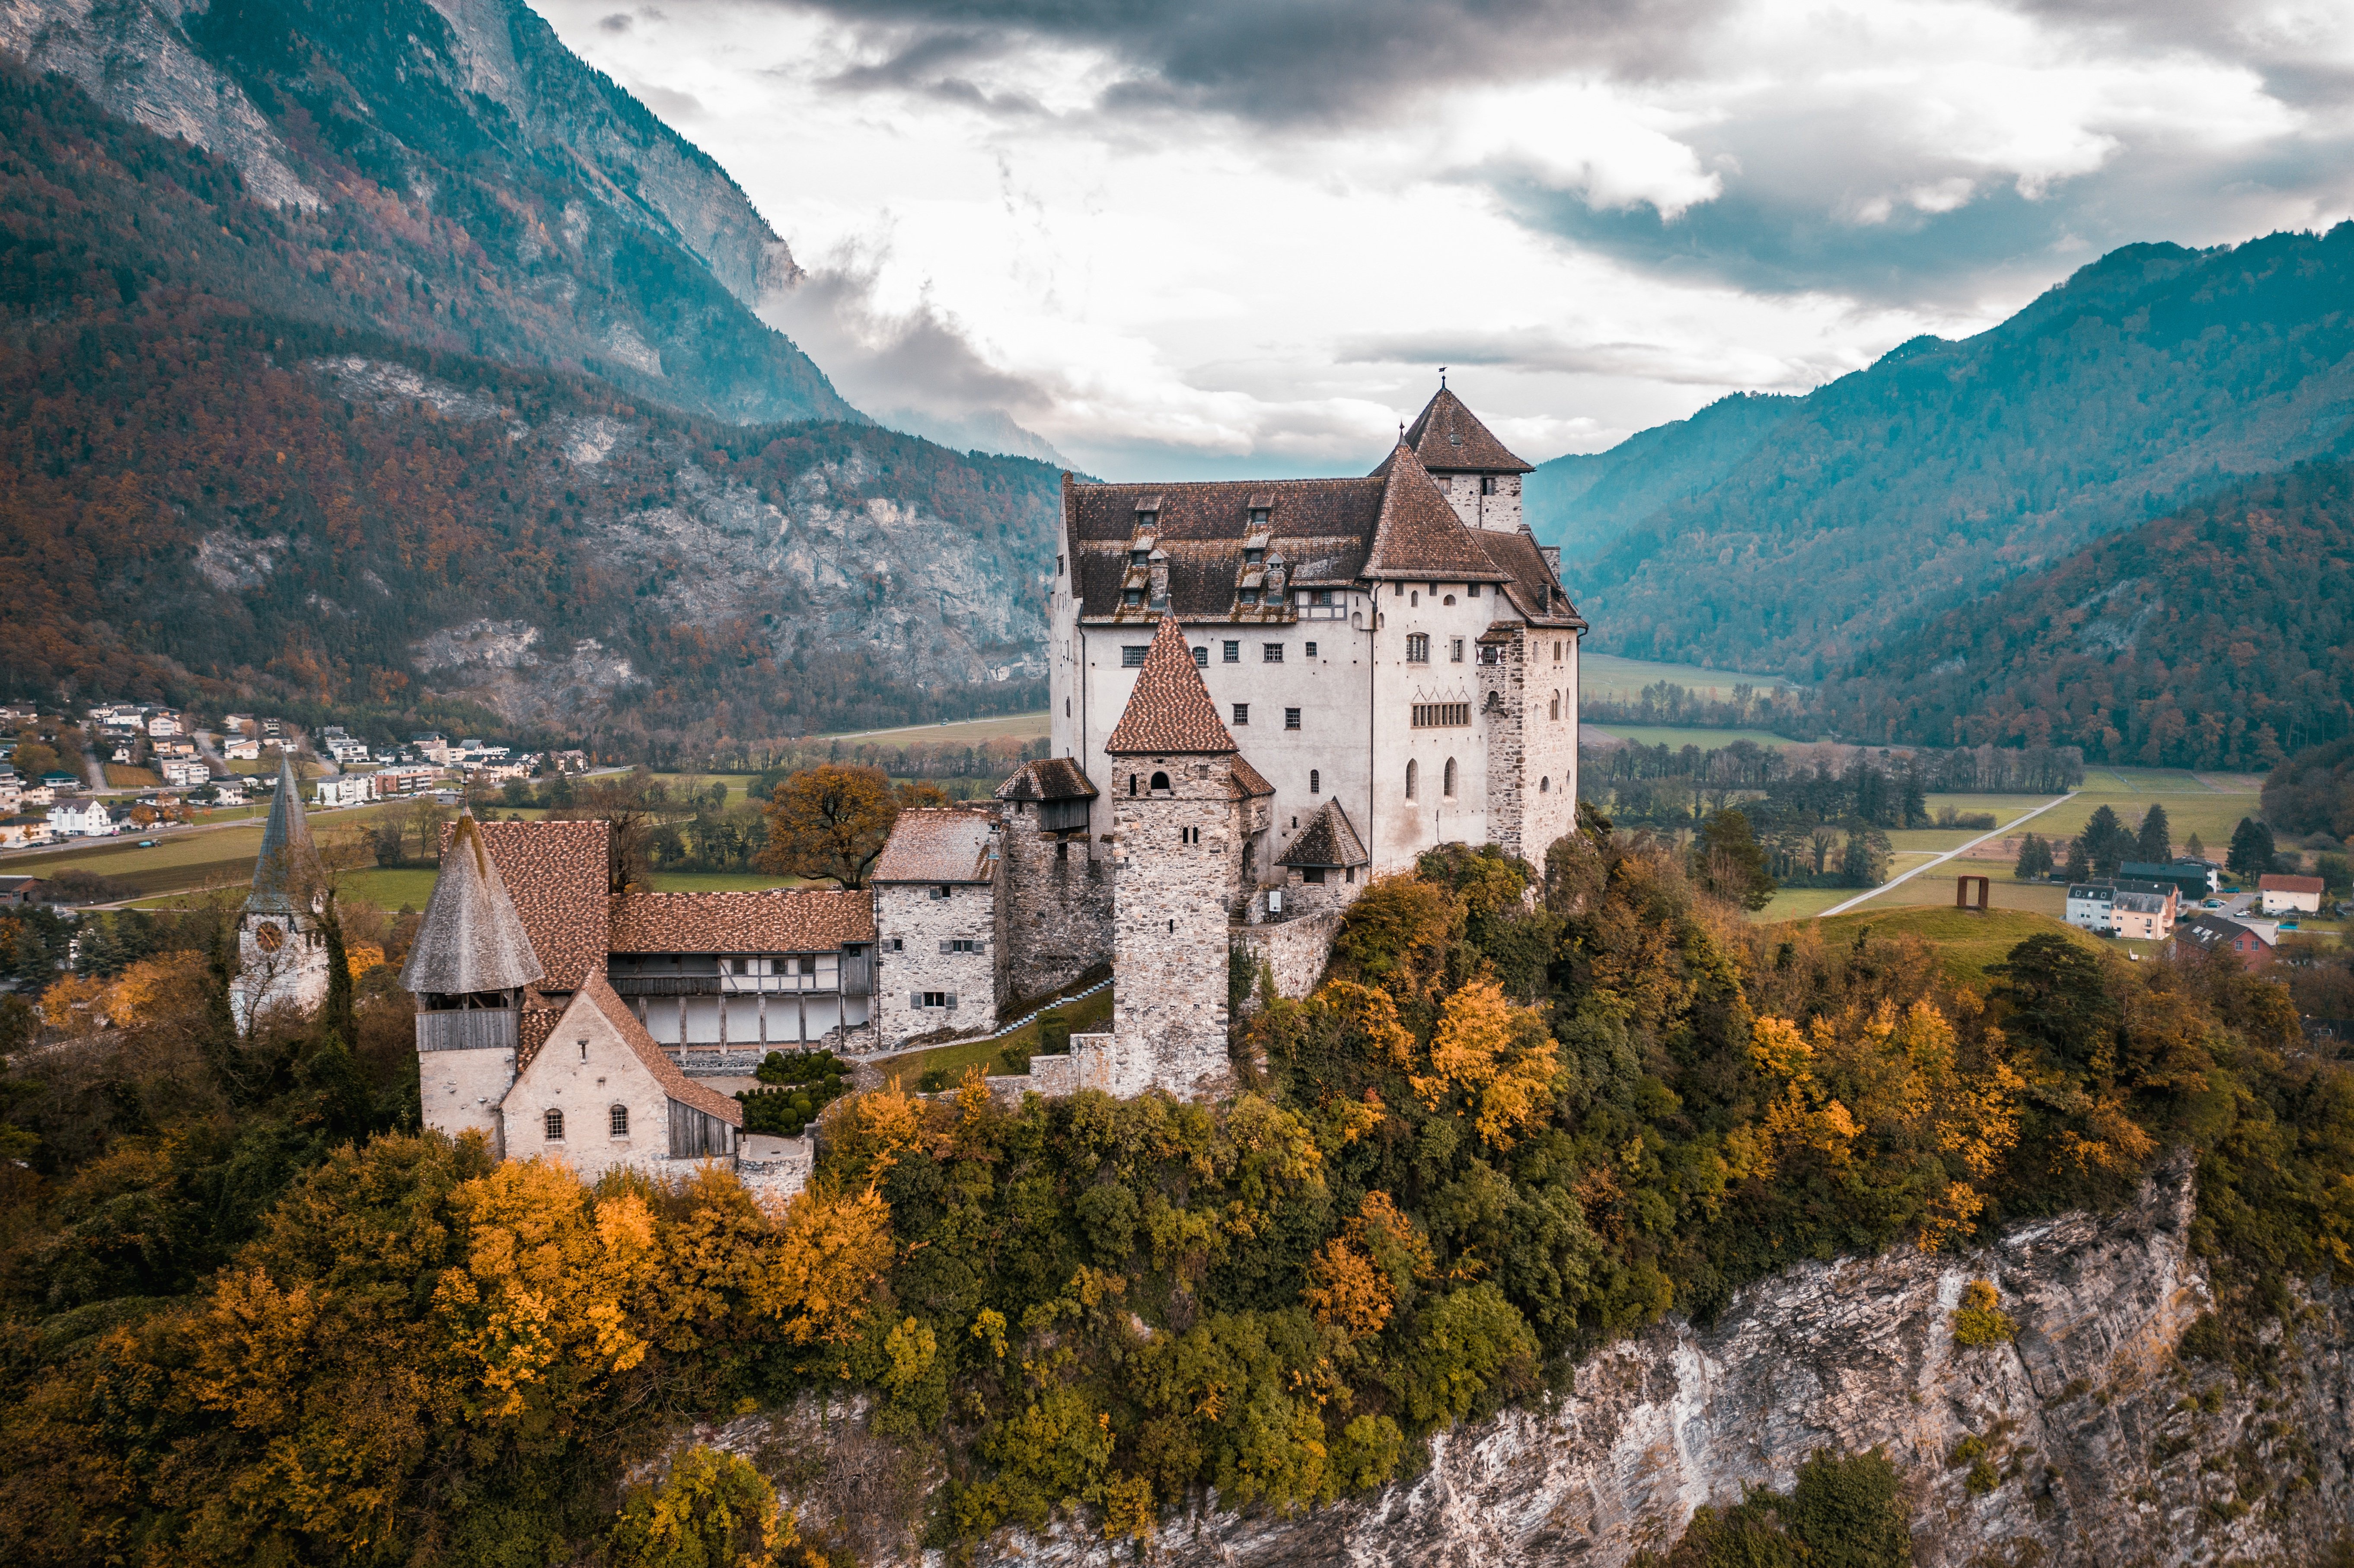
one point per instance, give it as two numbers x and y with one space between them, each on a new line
1966 942
1936 889
391 889
1006 726
1799 902
720 881
120 776
1676 739
1606 675
1089 1016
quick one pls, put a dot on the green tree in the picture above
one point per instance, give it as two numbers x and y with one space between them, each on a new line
2034 859
1727 860
1865 862
2079 864
2056 996
713 1510
2107 841
832 820
2251 854
2155 843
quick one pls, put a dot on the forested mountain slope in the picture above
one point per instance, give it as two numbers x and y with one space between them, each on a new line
1587 502
2151 377
449 176
2218 637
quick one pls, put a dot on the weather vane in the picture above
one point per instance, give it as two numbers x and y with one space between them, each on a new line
1442 378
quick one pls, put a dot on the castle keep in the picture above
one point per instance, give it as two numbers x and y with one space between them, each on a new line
1265 695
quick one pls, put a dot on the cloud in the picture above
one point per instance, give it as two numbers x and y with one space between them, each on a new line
1545 350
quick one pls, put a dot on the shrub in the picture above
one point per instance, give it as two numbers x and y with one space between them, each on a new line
1013 1060
1980 1319
1053 1036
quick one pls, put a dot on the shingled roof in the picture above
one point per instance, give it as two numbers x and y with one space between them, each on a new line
554 873
471 940
595 991
1169 711
786 920
938 843
288 858
1249 782
1048 779
1533 587
1449 438
1419 534
1328 839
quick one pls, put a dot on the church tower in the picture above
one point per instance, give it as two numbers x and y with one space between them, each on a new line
467 968
282 956
1188 817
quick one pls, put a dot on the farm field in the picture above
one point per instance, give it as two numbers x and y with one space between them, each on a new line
183 858
1676 738
721 881
1005 726
1607 675
120 776
1966 942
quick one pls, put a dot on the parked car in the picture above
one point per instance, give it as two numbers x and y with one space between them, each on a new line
146 843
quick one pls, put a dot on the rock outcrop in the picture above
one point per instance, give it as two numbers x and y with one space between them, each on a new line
2087 1440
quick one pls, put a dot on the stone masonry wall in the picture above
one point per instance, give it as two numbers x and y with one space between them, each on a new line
921 926
1531 754
1172 900
1297 949
1059 907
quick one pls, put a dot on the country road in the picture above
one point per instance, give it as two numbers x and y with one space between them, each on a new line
1933 864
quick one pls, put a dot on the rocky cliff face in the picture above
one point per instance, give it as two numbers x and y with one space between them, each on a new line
2087 1440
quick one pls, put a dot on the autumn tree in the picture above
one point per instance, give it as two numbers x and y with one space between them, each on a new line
832 820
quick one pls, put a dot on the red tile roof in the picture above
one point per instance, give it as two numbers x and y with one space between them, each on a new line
555 874
597 993
938 843
1420 534
1169 711
1249 782
1449 438
1535 589
2279 883
787 920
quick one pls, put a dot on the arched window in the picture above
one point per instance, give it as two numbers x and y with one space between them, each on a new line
1415 598
1447 782
556 1127
1160 783
1412 769
620 1117
1315 782
1544 786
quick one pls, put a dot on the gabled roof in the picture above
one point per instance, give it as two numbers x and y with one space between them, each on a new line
938 843
471 940
1249 782
1533 588
1048 779
1449 438
288 857
596 992
1419 534
1330 839
1170 710
2275 882
786 920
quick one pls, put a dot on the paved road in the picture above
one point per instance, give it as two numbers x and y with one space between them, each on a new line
1933 864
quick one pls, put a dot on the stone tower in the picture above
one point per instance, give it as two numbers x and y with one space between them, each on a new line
282 956
1185 812
467 968
1479 476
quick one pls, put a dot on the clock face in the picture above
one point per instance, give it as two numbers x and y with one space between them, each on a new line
271 935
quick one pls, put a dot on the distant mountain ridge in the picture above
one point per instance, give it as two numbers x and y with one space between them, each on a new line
1797 534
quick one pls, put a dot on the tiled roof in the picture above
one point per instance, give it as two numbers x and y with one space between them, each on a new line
1048 779
471 940
1170 710
555 874
1249 782
288 857
938 843
1330 839
2278 884
2213 931
787 920
1449 438
1319 527
1419 534
1534 589
597 993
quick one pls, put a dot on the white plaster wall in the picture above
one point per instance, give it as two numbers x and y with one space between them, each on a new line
460 1091
584 1069
293 976
1397 829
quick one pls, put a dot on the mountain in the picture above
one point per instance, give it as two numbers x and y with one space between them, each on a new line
2220 636
250 452
2151 377
451 177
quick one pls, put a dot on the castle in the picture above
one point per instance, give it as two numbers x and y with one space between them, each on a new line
1264 695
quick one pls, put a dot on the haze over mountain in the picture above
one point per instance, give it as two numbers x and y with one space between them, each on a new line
436 382
1791 534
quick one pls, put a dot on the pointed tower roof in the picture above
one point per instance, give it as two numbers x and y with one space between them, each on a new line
1449 438
471 940
1328 839
1418 534
1170 710
288 856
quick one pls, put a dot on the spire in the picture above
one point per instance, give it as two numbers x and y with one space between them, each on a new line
288 856
1170 710
471 940
1449 438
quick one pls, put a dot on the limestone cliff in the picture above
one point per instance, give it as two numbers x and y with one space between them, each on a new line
2099 1444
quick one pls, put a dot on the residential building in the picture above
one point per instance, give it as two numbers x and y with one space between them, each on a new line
2143 909
2089 907
81 819
66 781
19 832
350 789
2290 894
162 725
2193 879
2252 942
183 774
243 751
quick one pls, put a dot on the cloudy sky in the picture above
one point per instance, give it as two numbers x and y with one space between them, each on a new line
1239 236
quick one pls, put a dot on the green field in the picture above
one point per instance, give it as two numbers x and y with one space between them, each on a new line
1676 738
1089 1016
183 859
1966 942
1007 726
720 881
1607 675
407 886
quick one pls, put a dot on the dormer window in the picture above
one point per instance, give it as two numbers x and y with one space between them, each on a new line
1133 595
1250 596
1253 557
1139 557
1258 517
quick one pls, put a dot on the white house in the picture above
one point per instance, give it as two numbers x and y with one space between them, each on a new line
242 751
2291 894
2089 907
17 831
81 819
182 774
351 790
164 724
